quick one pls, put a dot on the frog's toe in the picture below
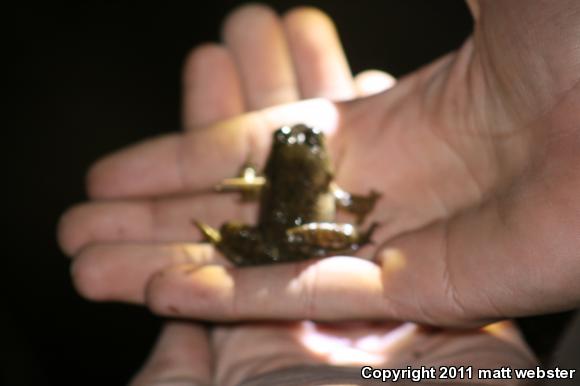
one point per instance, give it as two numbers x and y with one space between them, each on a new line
249 183
365 237
210 234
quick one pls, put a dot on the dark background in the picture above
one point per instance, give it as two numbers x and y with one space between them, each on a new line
86 79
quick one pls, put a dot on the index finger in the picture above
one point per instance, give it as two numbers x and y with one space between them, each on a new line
198 160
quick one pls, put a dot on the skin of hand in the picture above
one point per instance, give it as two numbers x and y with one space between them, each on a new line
475 155
183 354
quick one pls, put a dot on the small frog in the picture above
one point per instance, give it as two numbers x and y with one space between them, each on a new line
297 205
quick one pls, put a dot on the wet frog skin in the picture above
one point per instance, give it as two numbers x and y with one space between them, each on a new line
297 206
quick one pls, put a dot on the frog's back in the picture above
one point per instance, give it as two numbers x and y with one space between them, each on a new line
298 178
283 207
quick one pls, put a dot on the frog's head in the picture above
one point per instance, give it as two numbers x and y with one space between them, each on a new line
299 136
299 151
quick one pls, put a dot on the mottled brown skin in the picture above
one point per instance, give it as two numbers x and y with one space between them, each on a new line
298 203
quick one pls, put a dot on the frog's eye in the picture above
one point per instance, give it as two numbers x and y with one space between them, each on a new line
313 137
281 135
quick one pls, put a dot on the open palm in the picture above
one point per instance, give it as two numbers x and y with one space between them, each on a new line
448 159
465 152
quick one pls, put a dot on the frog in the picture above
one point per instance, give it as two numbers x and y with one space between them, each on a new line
298 200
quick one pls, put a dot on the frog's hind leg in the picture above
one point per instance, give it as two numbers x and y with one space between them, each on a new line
240 243
358 205
324 238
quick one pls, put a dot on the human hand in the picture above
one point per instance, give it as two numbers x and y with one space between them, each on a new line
463 161
213 90
264 61
306 353
115 268
184 355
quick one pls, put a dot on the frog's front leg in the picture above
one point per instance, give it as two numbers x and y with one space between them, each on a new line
358 205
241 244
249 183
324 238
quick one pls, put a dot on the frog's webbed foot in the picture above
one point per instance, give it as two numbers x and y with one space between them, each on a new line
240 243
323 238
249 183
358 205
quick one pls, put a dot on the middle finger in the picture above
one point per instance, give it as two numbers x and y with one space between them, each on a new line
256 39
